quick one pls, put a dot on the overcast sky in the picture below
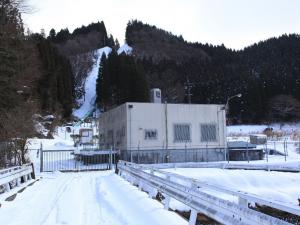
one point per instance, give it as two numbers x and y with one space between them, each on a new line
236 23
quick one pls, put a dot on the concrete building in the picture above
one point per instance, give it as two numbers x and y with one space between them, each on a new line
157 133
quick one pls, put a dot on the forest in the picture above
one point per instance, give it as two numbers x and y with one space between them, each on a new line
34 79
267 74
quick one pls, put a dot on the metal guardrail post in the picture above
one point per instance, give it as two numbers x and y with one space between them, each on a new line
18 182
7 187
33 171
243 202
167 198
193 217
187 192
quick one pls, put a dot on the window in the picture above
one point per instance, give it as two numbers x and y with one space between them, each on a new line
86 133
157 93
182 133
208 132
150 134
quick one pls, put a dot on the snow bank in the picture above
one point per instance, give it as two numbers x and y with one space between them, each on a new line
279 186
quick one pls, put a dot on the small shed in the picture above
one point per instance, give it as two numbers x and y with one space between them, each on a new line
244 151
86 136
258 139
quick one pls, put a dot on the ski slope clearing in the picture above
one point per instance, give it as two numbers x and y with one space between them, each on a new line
90 86
92 198
125 49
279 186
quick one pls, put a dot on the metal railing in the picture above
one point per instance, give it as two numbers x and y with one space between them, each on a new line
18 174
190 192
69 160
151 156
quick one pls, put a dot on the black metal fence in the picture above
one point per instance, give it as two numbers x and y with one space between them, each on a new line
174 155
68 160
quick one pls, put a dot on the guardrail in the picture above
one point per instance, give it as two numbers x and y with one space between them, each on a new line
19 174
224 165
190 192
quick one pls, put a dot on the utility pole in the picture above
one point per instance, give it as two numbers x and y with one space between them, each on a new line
188 87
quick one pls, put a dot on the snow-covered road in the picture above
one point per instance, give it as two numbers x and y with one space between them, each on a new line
89 198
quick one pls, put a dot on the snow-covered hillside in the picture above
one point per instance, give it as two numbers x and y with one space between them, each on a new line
126 49
88 101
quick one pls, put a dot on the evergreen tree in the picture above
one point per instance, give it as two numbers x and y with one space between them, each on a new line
120 80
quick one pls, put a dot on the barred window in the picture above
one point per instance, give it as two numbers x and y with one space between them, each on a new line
150 134
208 132
182 133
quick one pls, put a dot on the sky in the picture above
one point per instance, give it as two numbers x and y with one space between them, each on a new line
234 23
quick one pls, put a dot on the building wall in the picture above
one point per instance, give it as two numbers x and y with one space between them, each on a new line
145 116
142 117
195 115
112 128
137 118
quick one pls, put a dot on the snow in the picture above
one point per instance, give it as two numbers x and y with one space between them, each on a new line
90 86
126 49
287 128
279 186
85 198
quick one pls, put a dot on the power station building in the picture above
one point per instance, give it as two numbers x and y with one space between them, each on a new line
161 133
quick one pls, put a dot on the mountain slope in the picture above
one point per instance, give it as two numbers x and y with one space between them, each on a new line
262 73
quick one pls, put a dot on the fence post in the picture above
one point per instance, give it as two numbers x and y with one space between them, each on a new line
247 152
285 149
185 152
41 159
110 157
267 152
